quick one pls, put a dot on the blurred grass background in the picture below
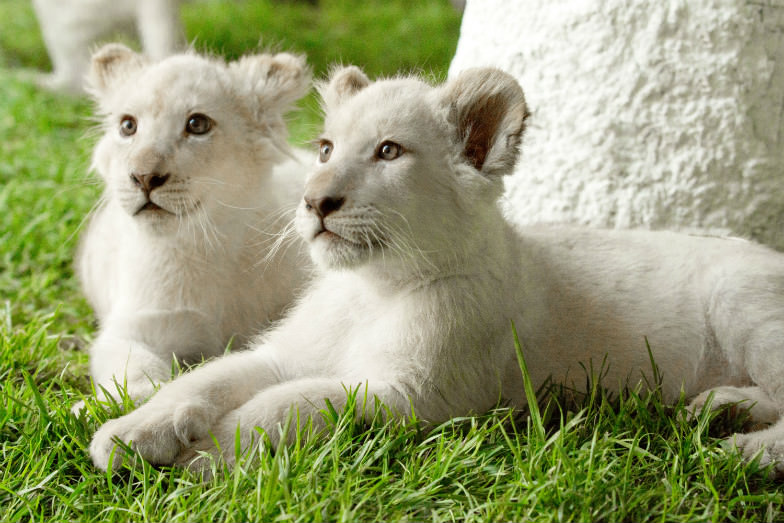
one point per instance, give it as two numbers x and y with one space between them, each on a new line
382 36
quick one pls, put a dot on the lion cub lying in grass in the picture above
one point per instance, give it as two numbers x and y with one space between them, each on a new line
421 275
188 248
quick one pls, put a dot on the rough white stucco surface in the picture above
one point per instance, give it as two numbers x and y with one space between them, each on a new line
653 113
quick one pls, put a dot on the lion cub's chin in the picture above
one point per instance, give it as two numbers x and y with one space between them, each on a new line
331 251
170 222
154 214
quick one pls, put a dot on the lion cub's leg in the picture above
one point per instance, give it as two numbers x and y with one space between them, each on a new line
70 55
158 23
758 345
768 443
765 364
125 362
287 404
138 350
761 408
183 411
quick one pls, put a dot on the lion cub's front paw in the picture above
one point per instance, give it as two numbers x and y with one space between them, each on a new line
220 447
769 446
157 432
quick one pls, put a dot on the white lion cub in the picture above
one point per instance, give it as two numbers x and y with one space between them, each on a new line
422 275
189 246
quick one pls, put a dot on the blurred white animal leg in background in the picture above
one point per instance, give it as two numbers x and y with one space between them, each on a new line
159 27
72 28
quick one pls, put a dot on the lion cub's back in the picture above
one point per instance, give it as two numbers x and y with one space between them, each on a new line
608 291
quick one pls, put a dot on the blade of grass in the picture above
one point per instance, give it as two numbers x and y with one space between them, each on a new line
530 395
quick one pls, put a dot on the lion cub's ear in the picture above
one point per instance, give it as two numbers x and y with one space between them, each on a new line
110 63
272 81
487 108
343 83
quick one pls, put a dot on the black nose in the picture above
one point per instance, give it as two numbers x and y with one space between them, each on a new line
324 206
148 182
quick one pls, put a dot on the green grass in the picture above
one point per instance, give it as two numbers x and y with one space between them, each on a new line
583 458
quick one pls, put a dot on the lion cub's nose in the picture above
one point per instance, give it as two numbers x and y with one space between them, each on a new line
323 206
148 182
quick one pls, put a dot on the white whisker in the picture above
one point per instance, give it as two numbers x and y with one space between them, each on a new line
212 181
102 200
280 244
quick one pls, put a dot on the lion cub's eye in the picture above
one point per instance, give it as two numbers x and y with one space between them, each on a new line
325 150
128 126
198 124
389 150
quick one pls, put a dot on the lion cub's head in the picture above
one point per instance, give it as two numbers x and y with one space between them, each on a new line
190 137
408 173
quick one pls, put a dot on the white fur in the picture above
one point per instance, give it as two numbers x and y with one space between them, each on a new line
221 262
421 275
71 27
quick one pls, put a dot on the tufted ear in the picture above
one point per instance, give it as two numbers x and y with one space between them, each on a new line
343 83
488 111
110 63
273 81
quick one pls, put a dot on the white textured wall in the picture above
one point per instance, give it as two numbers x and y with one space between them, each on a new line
656 113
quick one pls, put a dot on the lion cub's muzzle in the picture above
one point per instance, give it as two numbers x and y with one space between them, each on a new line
323 206
147 183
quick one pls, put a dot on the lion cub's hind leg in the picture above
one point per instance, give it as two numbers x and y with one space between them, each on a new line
757 344
760 407
768 443
764 360
746 314
765 364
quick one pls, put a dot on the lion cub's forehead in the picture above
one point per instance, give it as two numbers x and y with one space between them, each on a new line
183 80
400 108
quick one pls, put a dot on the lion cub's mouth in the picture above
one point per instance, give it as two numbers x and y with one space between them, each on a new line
326 233
332 236
151 207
